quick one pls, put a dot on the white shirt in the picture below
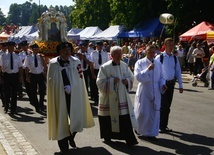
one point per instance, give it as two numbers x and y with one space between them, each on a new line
5 63
180 53
88 57
2 52
23 55
170 71
95 58
90 50
30 63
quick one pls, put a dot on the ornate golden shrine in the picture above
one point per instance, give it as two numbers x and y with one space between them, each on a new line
52 28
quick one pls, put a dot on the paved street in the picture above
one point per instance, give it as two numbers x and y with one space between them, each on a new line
191 119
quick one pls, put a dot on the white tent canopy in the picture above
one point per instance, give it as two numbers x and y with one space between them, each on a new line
110 33
28 33
88 32
72 33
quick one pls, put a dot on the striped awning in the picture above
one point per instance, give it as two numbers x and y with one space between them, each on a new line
210 37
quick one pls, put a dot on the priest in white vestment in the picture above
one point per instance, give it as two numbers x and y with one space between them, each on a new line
148 73
68 108
115 110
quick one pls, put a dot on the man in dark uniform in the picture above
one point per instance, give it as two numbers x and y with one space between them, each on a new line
25 52
2 51
87 65
11 68
34 69
98 58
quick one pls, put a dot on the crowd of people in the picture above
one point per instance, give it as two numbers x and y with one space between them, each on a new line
104 74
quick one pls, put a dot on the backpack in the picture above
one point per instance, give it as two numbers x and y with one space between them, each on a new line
161 59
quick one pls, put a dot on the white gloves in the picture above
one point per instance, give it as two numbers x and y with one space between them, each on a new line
67 89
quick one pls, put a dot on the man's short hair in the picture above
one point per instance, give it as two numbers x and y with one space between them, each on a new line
115 48
11 43
167 40
148 48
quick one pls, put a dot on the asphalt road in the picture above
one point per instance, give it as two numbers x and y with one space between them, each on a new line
191 118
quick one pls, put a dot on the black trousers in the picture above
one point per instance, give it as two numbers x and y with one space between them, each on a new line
11 83
166 101
198 66
37 81
27 86
86 78
212 79
191 68
94 89
2 94
63 143
126 131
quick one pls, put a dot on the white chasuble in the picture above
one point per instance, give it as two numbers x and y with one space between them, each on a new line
60 125
114 98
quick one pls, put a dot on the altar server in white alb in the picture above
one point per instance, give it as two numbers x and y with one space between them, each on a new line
115 110
148 73
68 107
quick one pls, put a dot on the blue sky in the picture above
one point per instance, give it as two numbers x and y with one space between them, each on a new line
5 4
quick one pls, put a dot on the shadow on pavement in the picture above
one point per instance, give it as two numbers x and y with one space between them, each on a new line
87 150
191 90
136 150
193 138
27 115
196 148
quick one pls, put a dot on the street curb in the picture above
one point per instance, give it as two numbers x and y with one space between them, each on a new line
13 141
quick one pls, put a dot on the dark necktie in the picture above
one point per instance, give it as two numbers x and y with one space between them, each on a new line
100 58
11 61
63 72
35 61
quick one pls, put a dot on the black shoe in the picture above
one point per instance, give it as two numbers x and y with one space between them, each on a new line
107 140
136 133
65 152
131 144
5 110
13 113
165 130
37 110
42 109
71 140
21 95
148 138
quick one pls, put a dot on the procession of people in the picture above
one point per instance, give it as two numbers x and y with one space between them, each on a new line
87 71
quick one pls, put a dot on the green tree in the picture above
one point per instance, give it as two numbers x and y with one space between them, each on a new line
26 10
91 13
34 16
2 17
130 13
14 14
189 13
